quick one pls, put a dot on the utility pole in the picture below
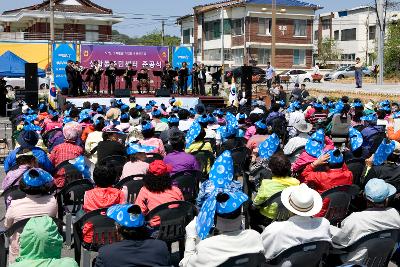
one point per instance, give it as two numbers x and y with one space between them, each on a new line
381 38
222 48
367 42
162 32
273 33
52 22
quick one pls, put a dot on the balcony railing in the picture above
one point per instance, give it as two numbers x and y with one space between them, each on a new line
21 36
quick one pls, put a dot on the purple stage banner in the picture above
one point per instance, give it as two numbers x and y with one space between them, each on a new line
150 57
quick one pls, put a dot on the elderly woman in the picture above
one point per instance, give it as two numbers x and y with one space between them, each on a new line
41 244
112 144
67 150
37 185
149 139
94 138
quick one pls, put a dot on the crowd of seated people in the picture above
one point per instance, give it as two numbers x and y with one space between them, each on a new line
297 151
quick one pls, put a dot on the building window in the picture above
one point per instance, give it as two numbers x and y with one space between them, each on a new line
264 26
227 26
326 24
212 54
212 30
372 32
186 36
199 45
92 32
227 54
348 57
264 55
300 27
237 56
336 35
299 57
237 27
316 35
349 34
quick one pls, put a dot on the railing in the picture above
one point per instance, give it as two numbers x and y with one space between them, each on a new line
21 36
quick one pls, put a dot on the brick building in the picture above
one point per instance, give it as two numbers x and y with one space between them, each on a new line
77 20
247 32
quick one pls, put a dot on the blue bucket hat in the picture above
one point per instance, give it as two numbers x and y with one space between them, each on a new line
54 113
355 139
124 116
338 107
30 118
138 107
28 138
357 104
147 126
152 103
221 175
173 119
383 152
82 165
260 125
211 119
84 116
119 103
267 148
203 119
67 119
218 112
317 105
100 109
172 100
241 116
377 190
37 177
370 117
31 127
335 156
156 113
396 115
126 215
316 143
124 108
42 107
293 106
148 108
134 148
192 111
192 133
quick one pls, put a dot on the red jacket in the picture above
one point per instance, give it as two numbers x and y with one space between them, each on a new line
323 181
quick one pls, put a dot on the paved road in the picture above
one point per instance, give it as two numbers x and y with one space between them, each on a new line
367 87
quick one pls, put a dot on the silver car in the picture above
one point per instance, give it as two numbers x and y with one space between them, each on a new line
12 83
345 72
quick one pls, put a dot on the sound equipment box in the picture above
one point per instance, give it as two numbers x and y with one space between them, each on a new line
163 92
122 93
31 84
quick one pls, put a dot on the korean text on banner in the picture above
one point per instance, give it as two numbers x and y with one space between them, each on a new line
183 54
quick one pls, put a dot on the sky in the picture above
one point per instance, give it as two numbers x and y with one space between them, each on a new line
143 16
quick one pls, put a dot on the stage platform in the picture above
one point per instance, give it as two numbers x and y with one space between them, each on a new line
186 102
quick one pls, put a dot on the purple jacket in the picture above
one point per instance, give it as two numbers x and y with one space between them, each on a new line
13 176
181 161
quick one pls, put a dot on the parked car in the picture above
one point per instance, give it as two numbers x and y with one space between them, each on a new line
44 83
295 76
258 75
345 72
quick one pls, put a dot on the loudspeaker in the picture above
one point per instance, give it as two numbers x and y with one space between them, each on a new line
31 84
122 93
163 92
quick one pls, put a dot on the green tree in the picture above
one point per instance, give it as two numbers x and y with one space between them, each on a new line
328 51
392 47
152 38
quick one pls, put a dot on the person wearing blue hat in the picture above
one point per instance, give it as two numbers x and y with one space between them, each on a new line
136 248
260 135
195 139
216 233
124 123
377 217
38 185
137 164
150 140
355 155
159 126
28 139
326 172
173 125
372 134
230 134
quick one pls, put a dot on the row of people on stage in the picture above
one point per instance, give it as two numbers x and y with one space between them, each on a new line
174 79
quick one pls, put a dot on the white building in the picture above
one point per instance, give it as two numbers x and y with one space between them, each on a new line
354 30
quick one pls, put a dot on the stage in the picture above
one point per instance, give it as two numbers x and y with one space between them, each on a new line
186 102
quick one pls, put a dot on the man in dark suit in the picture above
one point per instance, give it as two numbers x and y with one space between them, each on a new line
202 79
70 73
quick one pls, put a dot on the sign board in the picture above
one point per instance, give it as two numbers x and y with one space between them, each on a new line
183 54
61 54
149 57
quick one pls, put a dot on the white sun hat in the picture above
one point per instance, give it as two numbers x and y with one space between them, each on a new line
302 200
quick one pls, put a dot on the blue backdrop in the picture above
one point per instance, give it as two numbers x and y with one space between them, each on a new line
61 54
183 54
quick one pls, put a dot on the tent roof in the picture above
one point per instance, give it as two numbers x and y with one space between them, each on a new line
12 65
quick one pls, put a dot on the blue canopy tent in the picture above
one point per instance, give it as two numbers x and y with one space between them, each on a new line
12 65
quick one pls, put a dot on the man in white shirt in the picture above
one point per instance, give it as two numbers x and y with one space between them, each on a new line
269 75
302 228
316 69
377 217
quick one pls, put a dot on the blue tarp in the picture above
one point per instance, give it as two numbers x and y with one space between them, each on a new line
12 65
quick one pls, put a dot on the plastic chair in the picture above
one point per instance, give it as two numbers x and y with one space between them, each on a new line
173 216
379 247
206 159
240 157
282 213
308 254
7 234
152 157
188 183
104 233
339 201
245 260
70 201
133 183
